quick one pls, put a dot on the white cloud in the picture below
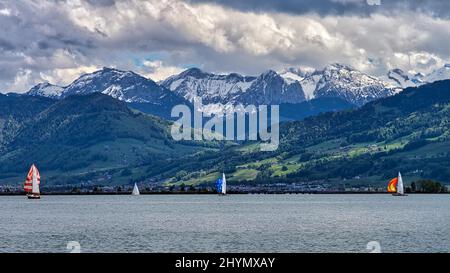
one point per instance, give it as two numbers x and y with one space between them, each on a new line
57 40
64 76
22 80
5 12
316 40
157 71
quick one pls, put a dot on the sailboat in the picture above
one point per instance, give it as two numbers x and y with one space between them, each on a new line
135 190
221 185
32 183
396 187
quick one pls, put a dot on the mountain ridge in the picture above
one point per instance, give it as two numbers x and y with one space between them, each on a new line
291 85
288 86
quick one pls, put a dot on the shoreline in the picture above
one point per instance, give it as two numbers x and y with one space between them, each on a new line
210 193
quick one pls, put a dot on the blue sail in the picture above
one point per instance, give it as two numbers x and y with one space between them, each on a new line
219 185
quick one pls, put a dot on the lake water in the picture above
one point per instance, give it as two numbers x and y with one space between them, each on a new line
234 223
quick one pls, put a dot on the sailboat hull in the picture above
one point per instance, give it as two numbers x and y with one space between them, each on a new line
399 194
33 196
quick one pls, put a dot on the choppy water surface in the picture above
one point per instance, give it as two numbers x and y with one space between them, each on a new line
234 223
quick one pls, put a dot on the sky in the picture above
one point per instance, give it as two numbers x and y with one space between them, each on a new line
58 40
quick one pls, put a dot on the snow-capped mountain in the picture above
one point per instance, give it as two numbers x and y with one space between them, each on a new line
292 74
139 92
442 73
400 78
347 83
268 88
46 89
292 85
122 85
220 92
212 88
339 81
271 88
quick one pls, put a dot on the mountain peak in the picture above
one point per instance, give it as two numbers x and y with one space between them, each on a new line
269 73
194 72
212 88
400 78
106 69
271 87
442 73
43 84
344 81
405 79
123 85
46 89
111 69
105 72
94 102
338 66
115 71
298 71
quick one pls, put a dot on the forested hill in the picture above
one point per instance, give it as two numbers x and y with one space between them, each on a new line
91 135
96 140
408 132
416 111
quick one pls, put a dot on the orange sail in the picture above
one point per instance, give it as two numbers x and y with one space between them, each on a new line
392 186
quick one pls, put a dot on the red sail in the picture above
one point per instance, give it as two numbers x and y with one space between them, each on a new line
28 187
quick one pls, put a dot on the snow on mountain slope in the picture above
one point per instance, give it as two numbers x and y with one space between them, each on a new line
344 82
341 81
123 85
268 88
212 88
290 77
309 85
398 77
271 88
442 73
292 85
46 90
292 74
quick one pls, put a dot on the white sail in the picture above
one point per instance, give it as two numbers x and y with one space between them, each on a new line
35 181
135 190
400 184
224 184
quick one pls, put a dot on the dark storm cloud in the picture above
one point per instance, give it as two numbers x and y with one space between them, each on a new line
101 3
294 6
81 43
337 7
6 45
